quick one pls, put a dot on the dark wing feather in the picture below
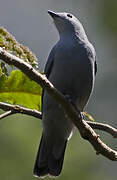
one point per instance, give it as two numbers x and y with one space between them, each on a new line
49 63
95 67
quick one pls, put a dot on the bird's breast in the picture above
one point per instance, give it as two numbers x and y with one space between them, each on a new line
72 72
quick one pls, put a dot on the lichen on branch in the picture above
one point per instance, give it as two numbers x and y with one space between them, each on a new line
9 43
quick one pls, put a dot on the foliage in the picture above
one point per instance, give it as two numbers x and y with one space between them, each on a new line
19 89
3 69
16 88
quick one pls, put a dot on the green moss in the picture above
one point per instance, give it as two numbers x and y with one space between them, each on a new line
10 44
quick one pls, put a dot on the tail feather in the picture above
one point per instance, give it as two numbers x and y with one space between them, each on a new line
55 165
47 163
41 165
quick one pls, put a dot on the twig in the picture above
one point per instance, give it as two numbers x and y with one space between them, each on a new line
8 113
18 109
104 127
85 130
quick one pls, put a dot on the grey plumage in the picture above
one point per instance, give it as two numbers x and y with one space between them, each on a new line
71 67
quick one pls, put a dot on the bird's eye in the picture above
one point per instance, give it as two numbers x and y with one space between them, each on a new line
69 15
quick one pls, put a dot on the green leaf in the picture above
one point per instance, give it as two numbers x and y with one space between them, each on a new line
86 114
10 44
19 89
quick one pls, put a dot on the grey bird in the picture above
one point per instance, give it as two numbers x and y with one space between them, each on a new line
71 67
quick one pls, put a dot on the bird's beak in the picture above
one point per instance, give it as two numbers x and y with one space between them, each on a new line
53 14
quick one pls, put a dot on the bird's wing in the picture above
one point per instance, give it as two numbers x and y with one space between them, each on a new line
48 68
49 63
92 55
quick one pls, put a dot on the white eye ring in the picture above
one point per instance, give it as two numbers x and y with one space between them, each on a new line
69 15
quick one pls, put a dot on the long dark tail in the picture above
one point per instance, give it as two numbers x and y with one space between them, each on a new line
49 159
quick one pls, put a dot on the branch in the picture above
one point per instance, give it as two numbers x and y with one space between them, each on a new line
104 127
5 114
85 130
13 109
18 109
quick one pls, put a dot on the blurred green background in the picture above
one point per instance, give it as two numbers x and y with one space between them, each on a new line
29 22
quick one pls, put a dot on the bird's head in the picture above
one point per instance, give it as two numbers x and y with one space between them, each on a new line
66 23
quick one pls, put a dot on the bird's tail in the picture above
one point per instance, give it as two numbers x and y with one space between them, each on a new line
49 159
